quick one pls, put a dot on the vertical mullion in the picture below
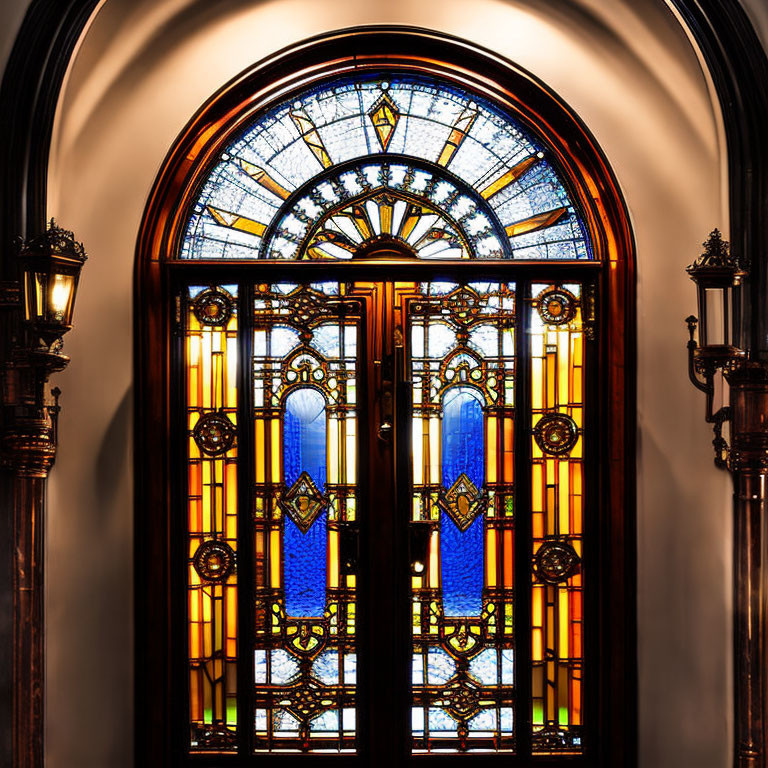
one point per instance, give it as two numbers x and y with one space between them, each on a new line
245 526
177 529
522 460
403 485
592 552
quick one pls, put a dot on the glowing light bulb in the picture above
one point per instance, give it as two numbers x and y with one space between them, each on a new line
61 293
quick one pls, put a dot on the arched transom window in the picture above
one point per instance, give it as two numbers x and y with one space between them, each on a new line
426 163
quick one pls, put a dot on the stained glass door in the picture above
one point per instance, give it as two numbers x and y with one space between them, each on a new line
385 516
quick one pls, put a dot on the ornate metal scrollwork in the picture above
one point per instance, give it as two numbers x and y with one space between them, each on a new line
463 502
214 433
213 307
214 561
303 502
556 433
557 307
555 562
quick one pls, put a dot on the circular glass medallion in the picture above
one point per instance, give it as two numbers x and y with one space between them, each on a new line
214 561
555 562
213 307
556 433
214 433
557 307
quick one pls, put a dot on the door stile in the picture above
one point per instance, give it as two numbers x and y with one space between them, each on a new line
246 481
380 625
403 485
522 495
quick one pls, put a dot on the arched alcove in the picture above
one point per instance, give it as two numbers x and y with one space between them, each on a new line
631 75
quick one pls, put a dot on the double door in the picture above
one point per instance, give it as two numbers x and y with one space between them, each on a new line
385 516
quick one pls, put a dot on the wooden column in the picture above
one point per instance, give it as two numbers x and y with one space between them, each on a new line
749 462
29 451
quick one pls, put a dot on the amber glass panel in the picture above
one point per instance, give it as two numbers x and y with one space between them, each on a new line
304 374
211 398
557 476
461 351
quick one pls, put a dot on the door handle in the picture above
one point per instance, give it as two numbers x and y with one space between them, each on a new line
418 546
349 548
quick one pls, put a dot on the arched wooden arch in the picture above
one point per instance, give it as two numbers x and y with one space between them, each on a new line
593 187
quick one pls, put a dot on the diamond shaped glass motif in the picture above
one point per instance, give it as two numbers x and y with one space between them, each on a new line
463 502
303 502
384 115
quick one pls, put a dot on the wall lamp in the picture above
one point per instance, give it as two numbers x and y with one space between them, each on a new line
40 307
716 274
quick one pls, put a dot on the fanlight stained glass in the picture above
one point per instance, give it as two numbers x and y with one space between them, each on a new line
407 158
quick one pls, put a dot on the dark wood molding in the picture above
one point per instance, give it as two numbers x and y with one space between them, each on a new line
29 94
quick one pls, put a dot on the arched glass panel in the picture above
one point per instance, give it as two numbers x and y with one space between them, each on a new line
461 544
304 459
463 368
406 157
304 389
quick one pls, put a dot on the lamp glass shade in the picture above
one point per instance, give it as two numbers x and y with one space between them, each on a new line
714 312
50 286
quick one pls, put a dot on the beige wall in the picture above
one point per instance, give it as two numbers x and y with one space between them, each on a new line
11 15
143 68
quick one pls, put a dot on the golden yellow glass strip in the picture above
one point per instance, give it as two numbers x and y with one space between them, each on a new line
556 506
537 222
459 131
234 221
260 176
211 389
311 137
511 176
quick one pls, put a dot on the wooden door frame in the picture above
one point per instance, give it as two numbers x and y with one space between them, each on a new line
592 184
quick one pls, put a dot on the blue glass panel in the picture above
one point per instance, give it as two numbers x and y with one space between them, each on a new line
461 552
484 722
328 721
285 723
439 720
440 666
304 450
463 447
350 668
260 666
